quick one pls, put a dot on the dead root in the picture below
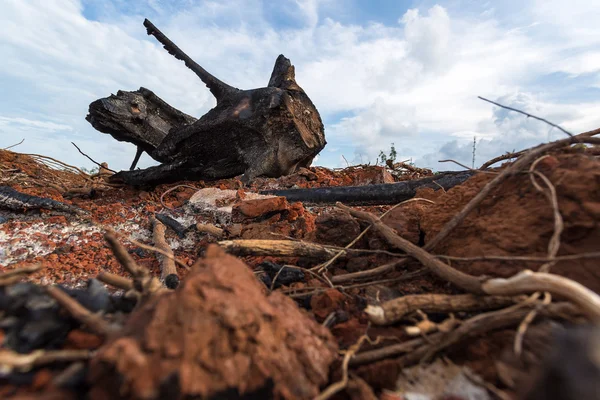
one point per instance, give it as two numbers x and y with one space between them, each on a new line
12 361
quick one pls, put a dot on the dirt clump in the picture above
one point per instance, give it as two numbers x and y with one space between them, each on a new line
518 220
219 334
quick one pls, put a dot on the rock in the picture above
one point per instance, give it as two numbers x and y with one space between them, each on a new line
217 204
218 334
250 209
336 227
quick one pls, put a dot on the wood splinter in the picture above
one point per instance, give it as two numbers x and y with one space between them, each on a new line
168 271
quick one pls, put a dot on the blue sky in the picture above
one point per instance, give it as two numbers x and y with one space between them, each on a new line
407 72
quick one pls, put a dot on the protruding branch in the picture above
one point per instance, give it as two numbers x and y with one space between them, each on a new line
216 87
284 75
94 322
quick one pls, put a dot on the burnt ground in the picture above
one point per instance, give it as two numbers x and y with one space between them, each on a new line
515 220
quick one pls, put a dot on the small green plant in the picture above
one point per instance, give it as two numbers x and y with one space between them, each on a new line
391 157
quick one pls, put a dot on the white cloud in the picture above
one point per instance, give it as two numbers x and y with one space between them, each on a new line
414 83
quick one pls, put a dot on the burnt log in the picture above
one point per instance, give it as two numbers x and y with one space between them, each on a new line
386 193
13 200
270 131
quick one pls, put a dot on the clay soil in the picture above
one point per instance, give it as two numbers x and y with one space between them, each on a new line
516 219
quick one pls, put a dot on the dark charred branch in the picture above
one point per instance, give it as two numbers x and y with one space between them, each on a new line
218 88
389 193
270 131
172 223
10 199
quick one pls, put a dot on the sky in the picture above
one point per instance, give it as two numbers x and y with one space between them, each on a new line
378 71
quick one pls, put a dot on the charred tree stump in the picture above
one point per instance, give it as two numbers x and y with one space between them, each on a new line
270 131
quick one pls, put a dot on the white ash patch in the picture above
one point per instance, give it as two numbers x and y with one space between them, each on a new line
204 202
40 239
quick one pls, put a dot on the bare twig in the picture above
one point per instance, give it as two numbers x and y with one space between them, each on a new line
115 280
553 247
14 145
62 164
14 275
323 267
570 257
528 115
503 157
529 282
336 387
396 309
26 362
307 291
168 271
466 167
368 274
524 325
123 256
145 246
417 349
92 160
93 321
444 271
144 282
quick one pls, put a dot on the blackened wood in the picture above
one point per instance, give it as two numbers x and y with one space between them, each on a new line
270 131
388 193
14 200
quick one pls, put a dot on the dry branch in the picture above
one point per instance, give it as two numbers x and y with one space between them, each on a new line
528 115
529 282
14 275
444 271
368 274
503 157
278 248
100 166
115 280
144 282
93 321
14 145
396 309
416 349
168 271
123 256
10 360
